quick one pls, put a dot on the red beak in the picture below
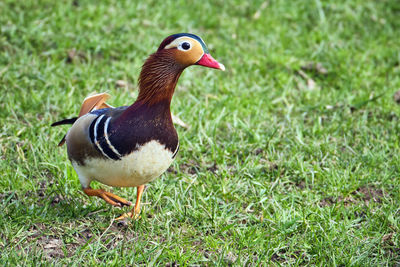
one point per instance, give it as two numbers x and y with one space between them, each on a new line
208 61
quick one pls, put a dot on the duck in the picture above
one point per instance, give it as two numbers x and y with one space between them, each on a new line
130 146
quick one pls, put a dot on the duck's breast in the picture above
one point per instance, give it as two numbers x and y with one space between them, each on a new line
139 167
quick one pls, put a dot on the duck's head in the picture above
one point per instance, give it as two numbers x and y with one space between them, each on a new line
188 49
162 69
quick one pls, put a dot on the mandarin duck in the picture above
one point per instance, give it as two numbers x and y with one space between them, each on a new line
131 146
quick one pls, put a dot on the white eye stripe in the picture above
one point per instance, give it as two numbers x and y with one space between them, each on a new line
177 43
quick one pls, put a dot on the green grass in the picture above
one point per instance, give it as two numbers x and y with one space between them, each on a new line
282 164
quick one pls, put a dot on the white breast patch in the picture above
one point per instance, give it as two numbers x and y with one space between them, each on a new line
138 168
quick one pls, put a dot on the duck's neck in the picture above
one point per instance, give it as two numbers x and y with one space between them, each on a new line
158 78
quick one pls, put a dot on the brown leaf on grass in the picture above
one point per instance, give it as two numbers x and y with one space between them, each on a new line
315 67
122 84
213 168
230 258
258 151
328 201
311 84
53 243
347 201
57 199
271 165
387 238
396 97
257 15
73 55
47 239
301 185
179 122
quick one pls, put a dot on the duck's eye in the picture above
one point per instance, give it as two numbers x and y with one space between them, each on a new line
185 46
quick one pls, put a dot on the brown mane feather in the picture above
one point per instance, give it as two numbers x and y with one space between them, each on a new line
158 77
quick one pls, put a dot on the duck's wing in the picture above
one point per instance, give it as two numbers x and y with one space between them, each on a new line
90 135
94 102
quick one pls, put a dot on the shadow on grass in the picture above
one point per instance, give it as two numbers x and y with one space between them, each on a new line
49 207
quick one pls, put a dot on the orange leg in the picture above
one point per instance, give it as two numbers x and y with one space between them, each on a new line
110 198
134 214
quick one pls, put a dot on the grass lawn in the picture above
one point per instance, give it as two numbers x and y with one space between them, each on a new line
291 158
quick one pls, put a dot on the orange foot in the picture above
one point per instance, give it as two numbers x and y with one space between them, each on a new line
110 198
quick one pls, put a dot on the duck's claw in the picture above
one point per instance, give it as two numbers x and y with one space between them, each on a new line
133 216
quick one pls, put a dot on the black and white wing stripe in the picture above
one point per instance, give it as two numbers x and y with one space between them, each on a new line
176 150
98 132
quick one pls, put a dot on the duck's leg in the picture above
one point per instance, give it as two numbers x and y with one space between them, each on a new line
134 214
110 198
136 209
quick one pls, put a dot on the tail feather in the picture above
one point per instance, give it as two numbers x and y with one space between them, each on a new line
62 140
62 122
65 121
